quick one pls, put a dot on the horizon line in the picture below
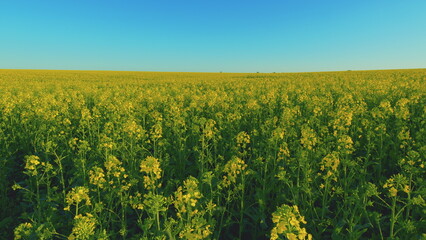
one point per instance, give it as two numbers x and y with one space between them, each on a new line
257 72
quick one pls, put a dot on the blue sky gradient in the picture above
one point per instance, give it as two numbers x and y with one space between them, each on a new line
213 36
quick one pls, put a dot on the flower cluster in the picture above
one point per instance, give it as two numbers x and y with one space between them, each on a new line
31 163
197 229
106 143
287 221
97 177
84 227
343 121
413 163
209 129
23 231
133 130
151 166
243 139
114 167
189 209
136 201
186 197
397 183
156 131
329 164
233 168
402 109
309 138
34 165
345 144
154 203
76 196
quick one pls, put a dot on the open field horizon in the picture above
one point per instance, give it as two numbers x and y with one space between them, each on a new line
193 120
171 155
147 71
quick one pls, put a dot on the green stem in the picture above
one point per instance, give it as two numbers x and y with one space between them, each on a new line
393 216
157 216
61 172
324 198
241 207
38 199
76 209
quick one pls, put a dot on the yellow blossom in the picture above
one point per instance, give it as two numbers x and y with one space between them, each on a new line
84 227
151 167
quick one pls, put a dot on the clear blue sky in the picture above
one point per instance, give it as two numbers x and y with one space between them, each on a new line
214 35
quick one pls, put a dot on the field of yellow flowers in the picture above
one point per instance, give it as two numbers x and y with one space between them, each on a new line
140 155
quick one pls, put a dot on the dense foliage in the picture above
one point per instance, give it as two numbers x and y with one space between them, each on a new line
137 155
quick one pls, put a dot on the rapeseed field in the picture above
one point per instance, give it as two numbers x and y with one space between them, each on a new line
149 155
